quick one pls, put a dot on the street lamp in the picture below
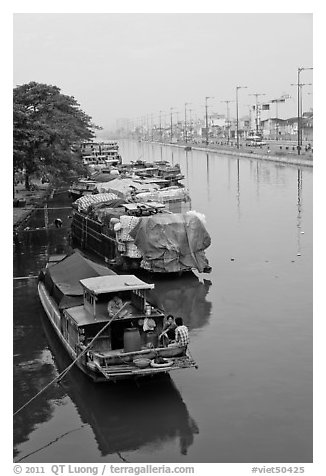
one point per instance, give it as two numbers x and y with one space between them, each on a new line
257 109
228 117
190 124
161 126
276 101
299 85
185 133
237 108
206 98
152 127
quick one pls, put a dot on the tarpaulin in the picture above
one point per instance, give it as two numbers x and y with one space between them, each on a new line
172 242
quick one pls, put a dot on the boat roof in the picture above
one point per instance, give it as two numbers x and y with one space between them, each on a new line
114 283
67 273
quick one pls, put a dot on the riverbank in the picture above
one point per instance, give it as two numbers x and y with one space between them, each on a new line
280 156
29 199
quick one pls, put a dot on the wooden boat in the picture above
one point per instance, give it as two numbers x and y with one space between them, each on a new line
160 172
100 153
81 188
101 317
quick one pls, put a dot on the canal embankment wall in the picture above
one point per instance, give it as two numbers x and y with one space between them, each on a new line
284 159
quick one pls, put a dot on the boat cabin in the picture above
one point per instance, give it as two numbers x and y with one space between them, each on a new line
120 299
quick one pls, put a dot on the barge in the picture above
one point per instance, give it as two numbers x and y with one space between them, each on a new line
140 235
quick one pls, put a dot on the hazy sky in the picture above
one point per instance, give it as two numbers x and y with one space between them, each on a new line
133 64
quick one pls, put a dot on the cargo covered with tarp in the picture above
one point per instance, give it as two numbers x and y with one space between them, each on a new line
62 279
82 204
172 242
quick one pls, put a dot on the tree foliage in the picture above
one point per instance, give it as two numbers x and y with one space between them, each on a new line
47 127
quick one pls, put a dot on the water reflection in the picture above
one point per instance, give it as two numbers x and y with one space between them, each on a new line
207 175
185 297
33 368
238 188
299 210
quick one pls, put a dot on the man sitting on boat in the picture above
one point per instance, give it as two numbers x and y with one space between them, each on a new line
114 305
168 332
181 333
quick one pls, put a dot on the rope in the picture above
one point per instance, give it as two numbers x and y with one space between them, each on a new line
66 370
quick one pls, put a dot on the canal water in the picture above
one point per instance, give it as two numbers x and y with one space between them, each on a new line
250 324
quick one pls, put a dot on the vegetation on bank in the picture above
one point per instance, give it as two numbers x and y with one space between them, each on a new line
47 127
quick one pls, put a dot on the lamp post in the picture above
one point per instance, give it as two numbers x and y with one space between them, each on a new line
237 108
299 85
276 102
228 117
257 110
185 129
190 124
206 106
161 126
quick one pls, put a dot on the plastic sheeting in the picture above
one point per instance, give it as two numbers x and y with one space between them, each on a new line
172 242
62 279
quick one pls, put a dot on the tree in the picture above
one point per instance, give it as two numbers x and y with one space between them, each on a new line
47 127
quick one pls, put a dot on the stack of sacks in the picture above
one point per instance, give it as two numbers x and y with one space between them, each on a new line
122 228
83 203
169 194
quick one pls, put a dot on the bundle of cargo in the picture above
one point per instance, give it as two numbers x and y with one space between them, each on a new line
172 242
83 203
125 187
141 235
126 243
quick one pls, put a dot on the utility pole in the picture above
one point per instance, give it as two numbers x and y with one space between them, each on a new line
276 102
190 124
228 117
147 127
237 108
206 116
257 109
185 130
161 126
299 86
